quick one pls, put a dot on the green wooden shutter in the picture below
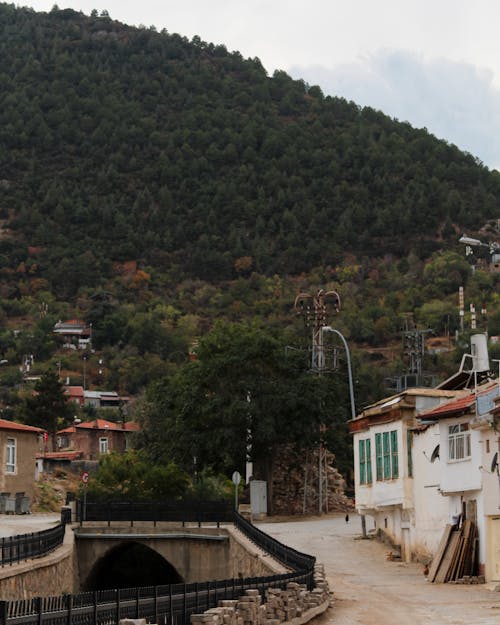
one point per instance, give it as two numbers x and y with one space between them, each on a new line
386 449
368 461
362 462
379 456
394 454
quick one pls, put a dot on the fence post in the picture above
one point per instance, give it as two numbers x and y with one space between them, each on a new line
95 608
155 605
117 606
39 606
69 605
184 606
137 592
4 612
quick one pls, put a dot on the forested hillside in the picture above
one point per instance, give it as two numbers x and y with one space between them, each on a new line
121 144
152 185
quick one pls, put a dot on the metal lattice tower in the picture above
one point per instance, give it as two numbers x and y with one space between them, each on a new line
314 311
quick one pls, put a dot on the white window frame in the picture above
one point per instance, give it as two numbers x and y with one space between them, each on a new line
459 447
103 445
11 456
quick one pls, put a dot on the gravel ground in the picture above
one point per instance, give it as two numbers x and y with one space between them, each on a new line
370 590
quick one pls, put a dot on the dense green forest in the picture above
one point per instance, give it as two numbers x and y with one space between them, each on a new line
152 185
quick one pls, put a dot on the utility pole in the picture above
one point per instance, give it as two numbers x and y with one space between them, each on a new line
314 311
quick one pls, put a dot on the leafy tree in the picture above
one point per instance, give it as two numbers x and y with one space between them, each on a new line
242 382
48 407
130 476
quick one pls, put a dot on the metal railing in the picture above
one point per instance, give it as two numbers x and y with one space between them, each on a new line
184 511
27 546
170 604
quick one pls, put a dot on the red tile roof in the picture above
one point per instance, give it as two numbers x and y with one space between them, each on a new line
457 406
102 424
20 427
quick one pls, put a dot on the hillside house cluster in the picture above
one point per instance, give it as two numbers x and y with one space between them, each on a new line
97 399
427 458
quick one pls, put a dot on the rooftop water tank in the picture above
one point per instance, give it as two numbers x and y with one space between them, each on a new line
479 352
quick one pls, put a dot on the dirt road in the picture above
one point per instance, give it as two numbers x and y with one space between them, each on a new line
370 590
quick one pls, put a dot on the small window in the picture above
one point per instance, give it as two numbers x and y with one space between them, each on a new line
458 441
10 465
103 446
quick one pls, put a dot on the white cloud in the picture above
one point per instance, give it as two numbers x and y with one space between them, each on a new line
455 101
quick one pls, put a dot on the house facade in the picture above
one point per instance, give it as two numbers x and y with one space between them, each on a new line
96 438
19 445
74 333
391 452
427 458
468 477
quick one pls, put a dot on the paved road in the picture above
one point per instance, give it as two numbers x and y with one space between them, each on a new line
370 590
12 524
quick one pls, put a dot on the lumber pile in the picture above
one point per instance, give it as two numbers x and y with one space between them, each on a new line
296 480
456 556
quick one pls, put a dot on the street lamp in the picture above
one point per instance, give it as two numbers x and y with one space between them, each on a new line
349 370
351 393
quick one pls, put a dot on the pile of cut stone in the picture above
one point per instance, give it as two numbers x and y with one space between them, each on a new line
279 606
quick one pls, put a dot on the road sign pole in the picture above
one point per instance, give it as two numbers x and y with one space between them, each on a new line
236 477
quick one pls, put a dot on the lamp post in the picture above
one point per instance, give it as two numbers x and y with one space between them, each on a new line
349 369
351 394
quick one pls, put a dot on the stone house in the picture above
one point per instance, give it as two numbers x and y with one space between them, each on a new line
97 437
19 445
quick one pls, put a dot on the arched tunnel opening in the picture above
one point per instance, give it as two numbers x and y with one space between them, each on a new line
130 565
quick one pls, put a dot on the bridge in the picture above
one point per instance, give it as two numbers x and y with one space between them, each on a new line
153 561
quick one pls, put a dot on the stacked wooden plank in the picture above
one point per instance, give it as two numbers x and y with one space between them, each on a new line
456 555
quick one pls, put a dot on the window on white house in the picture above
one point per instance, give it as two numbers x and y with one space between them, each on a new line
458 441
10 464
365 461
386 453
103 446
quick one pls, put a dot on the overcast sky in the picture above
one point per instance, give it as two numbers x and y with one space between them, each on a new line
434 63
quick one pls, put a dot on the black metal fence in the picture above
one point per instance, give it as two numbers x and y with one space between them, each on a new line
27 546
184 511
166 605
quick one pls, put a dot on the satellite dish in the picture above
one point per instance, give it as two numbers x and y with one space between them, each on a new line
435 453
494 463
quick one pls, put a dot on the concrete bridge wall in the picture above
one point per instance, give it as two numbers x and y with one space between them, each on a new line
196 554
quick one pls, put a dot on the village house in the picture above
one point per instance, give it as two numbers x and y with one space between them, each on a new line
96 399
426 459
467 478
74 333
97 437
388 463
19 445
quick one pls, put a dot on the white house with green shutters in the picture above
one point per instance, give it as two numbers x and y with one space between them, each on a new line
388 471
